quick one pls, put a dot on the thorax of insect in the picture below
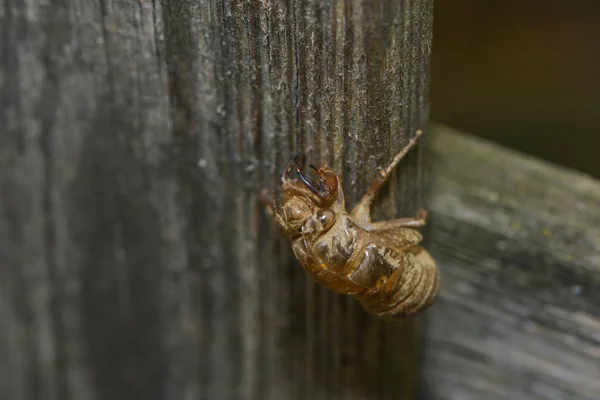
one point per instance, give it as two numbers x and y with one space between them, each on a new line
379 263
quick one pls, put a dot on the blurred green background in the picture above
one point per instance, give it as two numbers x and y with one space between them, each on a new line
525 74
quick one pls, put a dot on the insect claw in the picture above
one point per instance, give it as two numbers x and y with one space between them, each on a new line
294 163
307 181
321 189
299 159
288 168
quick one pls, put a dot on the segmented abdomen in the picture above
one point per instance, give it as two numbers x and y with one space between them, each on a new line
401 282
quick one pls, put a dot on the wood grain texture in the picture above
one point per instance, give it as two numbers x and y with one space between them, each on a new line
518 244
136 261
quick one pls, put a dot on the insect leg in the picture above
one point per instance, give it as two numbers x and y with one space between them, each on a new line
397 223
294 163
410 222
362 211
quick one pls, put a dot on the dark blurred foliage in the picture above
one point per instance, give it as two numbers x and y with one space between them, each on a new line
525 74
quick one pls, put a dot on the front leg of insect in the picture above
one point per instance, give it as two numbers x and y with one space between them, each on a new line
379 263
362 211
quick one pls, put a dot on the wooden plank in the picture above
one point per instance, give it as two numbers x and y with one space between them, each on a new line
518 243
136 261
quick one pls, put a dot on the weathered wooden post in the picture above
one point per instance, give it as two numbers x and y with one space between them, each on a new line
264 80
136 136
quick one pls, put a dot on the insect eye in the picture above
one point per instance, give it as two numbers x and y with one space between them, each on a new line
326 218
296 211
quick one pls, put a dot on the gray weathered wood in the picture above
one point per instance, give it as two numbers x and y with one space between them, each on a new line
518 243
136 262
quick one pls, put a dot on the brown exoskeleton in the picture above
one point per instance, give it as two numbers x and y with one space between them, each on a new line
379 263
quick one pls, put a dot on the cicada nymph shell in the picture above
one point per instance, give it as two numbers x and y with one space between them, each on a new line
381 264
